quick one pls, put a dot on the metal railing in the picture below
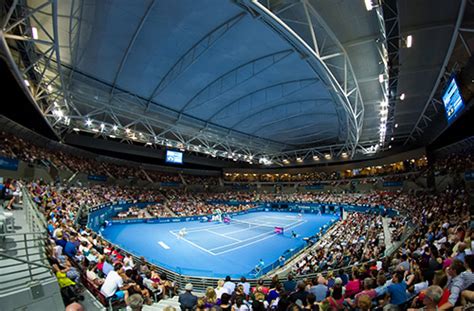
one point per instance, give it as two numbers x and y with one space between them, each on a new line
23 260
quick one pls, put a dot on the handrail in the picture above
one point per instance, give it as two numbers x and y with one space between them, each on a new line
24 261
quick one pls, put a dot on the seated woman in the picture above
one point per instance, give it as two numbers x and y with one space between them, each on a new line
92 275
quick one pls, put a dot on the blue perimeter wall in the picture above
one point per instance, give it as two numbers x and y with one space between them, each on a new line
100 214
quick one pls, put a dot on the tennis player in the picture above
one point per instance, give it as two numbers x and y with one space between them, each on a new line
182 233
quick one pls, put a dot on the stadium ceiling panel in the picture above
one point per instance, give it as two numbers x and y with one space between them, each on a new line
255 81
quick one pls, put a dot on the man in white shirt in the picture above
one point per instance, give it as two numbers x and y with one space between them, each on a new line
113 284
229 285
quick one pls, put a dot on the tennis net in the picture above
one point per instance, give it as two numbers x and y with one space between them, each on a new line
271 228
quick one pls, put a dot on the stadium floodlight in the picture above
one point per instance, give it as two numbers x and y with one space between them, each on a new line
315 158
27 83
402 96
383 119
50 88
369 5
58 113
115 127
381 78
112 136
327 156
148 144
299 159
383 104
286 161
102 126
34 33
392 139
396 125
389 146
344 155
76 129
409 41
88 122
95 130
127 131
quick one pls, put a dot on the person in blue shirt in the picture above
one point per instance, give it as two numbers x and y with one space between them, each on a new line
396 292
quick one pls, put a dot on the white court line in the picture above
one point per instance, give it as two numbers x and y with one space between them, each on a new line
162 244
203 228
222 235
262 234
262 239
193 244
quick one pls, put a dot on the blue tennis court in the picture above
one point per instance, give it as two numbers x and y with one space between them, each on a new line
217 249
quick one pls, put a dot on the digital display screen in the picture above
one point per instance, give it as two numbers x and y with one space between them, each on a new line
452 100
174 157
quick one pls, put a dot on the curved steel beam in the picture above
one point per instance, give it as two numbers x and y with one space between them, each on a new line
274 58
191 55
288 118
258 112
130 45
305 136
302 83
345 91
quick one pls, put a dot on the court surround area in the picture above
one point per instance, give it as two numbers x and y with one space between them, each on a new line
215 249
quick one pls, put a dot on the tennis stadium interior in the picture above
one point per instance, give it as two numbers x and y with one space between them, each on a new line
236 155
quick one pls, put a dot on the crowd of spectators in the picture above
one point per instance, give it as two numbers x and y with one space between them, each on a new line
408 166
433 265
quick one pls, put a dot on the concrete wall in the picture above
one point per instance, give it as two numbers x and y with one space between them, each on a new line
48 298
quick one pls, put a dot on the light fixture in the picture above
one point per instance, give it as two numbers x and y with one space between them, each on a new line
392 139
50 88
149 144
299 159
102 126
127 131
315 158
369 5
88 122
58 112
112 136
383 104
34 33
286 161
396 125
27 83
344 154
327 156
76 129
115 127
389 146
383 119
381 78
402 96
95 130
409 41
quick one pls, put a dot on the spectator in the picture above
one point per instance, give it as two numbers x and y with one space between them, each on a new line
396 293
229 285
431 298
289 285
113 285
460 280
319 289
187 300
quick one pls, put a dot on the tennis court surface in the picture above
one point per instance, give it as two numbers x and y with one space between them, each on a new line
217 249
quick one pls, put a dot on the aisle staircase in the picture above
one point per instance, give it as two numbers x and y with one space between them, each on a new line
162 304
